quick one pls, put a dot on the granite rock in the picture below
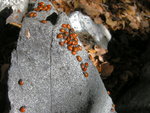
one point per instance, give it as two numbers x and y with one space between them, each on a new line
83 23
52 76
19 8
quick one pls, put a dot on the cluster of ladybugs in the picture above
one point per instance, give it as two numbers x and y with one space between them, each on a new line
41 7
69 37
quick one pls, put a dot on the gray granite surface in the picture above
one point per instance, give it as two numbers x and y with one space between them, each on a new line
53 79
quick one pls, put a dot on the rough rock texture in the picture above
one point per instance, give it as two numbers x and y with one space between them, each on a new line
15 4
53 79
19 8
84 24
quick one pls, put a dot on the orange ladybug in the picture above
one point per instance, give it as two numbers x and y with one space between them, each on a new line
64 25
49 6
68 26
20 82
70 47
79 48
86 64
66 33
73 53
86 74
82 65
61 43
22 109
43 21
41 3
75 49
79 58
62 30
60 36
34 14
108 92
84 69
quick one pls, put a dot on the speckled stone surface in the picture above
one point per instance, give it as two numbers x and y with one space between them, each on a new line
19 8
83 23
53 79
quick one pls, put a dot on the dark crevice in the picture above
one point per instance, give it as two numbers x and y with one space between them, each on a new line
30 6
4 100
52 18
4 14
129 55
8 40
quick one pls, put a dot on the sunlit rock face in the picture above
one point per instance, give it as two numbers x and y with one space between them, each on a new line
84 24
19 8
53 80
15 4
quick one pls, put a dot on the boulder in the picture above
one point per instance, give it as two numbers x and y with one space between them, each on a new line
52 78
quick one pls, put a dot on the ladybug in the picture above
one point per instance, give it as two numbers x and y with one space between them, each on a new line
69 42
34 14
54 2
75 49
75 43
73 53
41 3
90 57
71 35
66 33
61 43
74 35
43 21
20 82
79 58
79 48
108 92
65 41
86 74
31 14
60 36
68 39
70 47
62 30
68 26
82 65
64 25
22 109
86 64
45 8
40 8
112 109
84 69
76 39
49 6
36 9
